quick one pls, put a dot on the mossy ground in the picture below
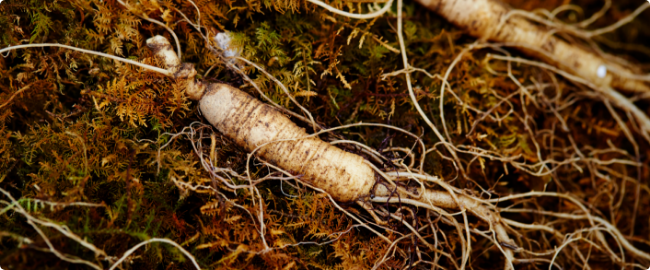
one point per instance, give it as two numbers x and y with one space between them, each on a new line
88 129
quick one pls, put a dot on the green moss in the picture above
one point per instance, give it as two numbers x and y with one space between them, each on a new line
89 129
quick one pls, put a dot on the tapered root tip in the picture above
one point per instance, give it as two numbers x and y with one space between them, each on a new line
185 72
162 48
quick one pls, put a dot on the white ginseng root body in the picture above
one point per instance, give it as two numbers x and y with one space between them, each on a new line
251 124
491 20
346 177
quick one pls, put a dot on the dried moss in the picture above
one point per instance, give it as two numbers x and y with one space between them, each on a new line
89 129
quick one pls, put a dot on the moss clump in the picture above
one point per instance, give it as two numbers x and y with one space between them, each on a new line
88 129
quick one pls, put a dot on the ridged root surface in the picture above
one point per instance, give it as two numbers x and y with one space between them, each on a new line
251 123
481 18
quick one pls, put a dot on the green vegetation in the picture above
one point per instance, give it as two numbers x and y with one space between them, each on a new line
127 142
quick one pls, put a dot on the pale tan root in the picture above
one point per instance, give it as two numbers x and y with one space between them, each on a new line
261 129
608 93
251 123
446 200
484 19
105 55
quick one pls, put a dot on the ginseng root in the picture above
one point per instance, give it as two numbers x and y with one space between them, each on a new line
346 177
492 20
253 124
